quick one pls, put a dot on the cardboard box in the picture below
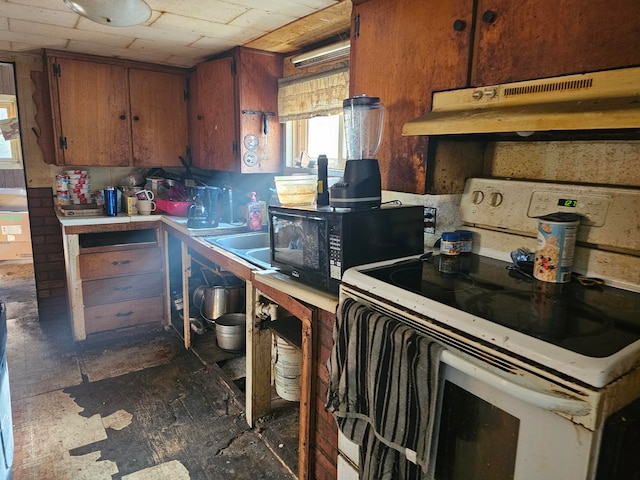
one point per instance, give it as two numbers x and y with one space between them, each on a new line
16 251
13 200
14 227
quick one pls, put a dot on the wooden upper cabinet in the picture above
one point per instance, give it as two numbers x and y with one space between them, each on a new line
230 98
212 121
90 105
109 113
535 39
401 51
158 117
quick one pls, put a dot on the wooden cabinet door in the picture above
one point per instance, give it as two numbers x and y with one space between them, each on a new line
258 76
540 38
91 109
402 52
159 118
214 118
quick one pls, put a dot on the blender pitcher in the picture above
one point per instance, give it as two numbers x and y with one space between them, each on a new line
360 187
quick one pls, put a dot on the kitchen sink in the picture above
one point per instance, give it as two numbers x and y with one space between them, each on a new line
252 247
241 241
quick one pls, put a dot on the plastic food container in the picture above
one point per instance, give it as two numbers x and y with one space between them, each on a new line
450 243
177 209
296 189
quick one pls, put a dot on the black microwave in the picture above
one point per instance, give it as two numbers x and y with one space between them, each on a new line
317 246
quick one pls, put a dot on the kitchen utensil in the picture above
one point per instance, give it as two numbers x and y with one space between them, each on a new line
145 207
588 281
230 331
360 187
218 300
178 209
145 195
296 189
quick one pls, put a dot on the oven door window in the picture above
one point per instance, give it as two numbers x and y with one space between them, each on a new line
477 440
298 240
484 432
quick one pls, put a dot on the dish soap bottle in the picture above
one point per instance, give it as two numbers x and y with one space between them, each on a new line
254 214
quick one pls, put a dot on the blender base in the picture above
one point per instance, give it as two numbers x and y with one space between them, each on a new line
360 187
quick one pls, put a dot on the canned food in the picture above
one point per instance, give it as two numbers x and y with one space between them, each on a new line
556 242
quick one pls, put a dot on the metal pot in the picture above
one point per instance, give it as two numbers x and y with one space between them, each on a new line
230 331
219 300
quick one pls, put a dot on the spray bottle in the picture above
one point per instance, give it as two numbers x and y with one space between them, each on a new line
254 214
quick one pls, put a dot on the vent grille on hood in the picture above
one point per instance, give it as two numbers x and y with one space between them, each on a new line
608 100
548 87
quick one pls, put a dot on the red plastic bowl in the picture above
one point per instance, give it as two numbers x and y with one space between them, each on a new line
177 209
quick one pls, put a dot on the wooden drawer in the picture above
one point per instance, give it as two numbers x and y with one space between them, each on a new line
120 262
101 318
121 289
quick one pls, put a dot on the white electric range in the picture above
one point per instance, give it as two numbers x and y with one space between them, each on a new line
559 363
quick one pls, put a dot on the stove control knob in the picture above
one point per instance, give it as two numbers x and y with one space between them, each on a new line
477 197
495 199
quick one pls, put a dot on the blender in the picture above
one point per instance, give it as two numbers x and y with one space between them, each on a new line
360 186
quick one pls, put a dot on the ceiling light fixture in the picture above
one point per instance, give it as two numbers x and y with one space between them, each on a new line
114 13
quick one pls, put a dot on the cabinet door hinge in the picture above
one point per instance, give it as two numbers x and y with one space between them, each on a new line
57 71
63 142
356 26
187 90
234 147
233 66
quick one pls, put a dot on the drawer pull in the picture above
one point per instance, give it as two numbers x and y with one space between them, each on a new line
128 314
123 289
122 262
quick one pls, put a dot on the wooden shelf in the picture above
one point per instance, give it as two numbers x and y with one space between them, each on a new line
289 329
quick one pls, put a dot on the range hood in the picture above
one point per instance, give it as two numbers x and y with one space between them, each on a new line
606 100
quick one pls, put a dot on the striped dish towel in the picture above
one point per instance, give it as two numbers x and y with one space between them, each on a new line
383 382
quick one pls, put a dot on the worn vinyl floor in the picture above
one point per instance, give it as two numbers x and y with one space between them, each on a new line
136 409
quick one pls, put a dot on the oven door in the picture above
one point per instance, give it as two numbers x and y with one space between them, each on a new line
493 429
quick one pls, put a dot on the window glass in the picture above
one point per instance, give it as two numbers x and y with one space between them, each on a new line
308 139
10 149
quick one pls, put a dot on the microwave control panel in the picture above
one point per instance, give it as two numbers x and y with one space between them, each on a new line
335 254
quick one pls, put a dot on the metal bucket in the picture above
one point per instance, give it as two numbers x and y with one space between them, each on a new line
230 331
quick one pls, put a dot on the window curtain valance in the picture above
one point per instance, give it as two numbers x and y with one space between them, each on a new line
305 96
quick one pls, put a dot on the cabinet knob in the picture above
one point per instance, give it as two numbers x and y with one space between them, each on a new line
459 25
136 118
123 117
199 117
489 16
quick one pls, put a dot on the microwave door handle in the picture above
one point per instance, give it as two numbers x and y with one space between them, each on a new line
530 395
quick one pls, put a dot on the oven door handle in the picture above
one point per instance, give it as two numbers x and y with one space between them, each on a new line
527 394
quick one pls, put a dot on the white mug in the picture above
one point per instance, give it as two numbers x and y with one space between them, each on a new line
145 195
145 207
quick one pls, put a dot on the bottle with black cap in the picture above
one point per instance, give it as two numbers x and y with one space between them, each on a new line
323 191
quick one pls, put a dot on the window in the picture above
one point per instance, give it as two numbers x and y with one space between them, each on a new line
10 148
310 105
310 138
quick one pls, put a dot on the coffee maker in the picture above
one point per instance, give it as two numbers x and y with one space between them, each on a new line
205 211
198 213
360 186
